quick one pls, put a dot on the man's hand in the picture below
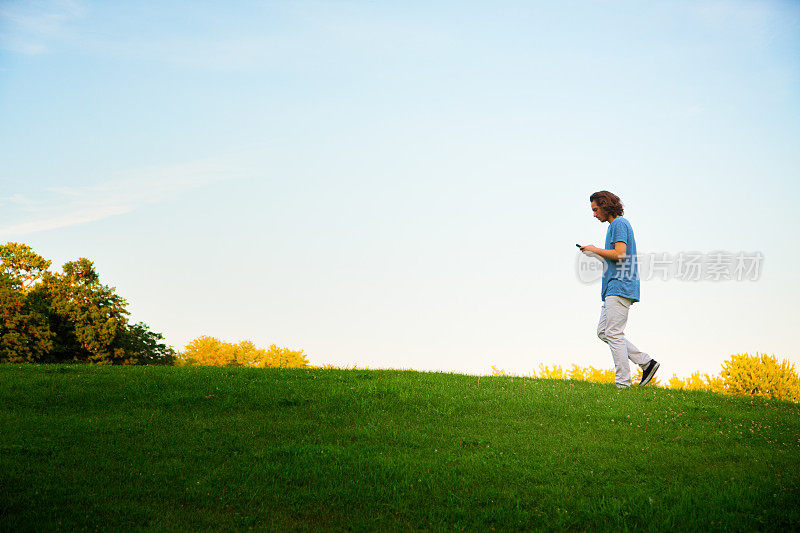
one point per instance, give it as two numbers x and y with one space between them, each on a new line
619 251
591 251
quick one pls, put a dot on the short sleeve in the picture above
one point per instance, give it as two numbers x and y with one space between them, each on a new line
620 233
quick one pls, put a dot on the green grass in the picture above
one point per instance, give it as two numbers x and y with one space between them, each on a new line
110 448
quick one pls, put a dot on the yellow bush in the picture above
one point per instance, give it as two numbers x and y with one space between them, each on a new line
714 383
600 376
498 371
546 372
760 375
577 372
676 383
210 351
696 382
280 357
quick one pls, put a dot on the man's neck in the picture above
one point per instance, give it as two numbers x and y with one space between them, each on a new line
611 219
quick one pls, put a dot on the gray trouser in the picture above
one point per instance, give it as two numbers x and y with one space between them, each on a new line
611 329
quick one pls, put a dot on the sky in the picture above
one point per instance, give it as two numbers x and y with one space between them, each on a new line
402 184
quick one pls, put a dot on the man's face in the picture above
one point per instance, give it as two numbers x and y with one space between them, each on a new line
598 213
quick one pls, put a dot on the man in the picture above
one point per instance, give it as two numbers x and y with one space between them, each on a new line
620 288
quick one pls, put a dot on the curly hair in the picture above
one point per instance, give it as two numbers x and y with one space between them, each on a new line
608 202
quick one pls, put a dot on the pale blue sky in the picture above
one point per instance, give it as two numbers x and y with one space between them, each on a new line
402 185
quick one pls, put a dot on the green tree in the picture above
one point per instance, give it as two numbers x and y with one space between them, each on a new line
25 335
145 347
67 316
89 318
23 266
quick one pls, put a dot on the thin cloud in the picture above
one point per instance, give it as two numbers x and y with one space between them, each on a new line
60 207
35 28
61 221
692 111
758 21
20 201
39 28
29 27
233 53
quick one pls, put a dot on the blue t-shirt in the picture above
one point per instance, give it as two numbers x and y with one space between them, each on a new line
621 278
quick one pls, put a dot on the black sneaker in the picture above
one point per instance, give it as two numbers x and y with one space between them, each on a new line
649 371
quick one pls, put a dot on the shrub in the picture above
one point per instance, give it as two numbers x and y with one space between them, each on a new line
696 381
324 366
590 373
756 375
556 372
578 373
498 371
281 357
210 351
760 375
600 376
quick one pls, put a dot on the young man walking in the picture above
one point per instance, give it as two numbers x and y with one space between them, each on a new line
620 288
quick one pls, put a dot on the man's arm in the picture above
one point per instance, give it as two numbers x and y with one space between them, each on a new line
620 248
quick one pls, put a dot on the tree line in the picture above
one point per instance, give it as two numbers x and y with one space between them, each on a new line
48 316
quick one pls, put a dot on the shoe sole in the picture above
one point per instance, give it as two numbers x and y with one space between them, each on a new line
653 373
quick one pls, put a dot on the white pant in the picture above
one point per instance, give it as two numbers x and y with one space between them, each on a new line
610 329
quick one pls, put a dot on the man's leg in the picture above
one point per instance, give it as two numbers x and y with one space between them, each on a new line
602 328
637 356
601 325
616 312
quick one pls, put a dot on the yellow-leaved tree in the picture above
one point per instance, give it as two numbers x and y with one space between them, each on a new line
210 351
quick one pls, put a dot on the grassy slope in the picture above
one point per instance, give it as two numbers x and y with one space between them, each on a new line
210 448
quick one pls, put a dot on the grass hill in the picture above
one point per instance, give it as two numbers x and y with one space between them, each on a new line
165 448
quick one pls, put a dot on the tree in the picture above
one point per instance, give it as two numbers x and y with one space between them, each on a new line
25 335
89 319
23 266
67 316
145 347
